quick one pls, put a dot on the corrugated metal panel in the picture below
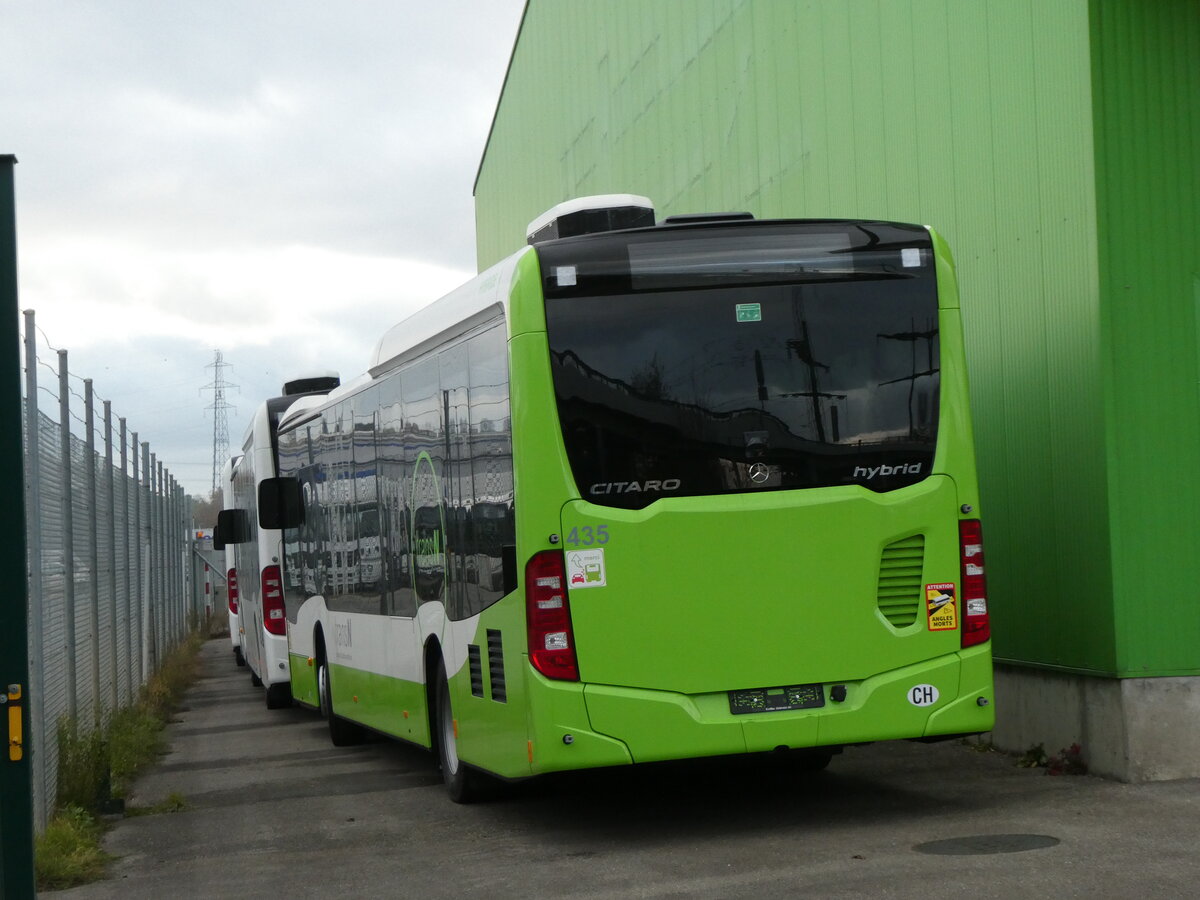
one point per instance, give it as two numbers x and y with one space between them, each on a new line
972 117
1147 103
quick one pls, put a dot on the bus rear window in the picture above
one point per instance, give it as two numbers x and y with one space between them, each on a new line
747 362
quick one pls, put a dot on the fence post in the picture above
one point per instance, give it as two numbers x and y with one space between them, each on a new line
164 638
185 548
16 804
147 632
168 552
114 695
168 561
152 526
135 651
37 610
126 567
160 643
174 557
188 571
156 595
89 446
183 571
181 606
68 536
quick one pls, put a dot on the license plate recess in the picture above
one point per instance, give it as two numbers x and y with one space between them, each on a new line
776 699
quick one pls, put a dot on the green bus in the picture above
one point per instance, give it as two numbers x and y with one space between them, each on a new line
694 488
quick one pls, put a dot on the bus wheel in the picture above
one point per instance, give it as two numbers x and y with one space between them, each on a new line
279 696
254 679
237 656
341 732
323 689
463 783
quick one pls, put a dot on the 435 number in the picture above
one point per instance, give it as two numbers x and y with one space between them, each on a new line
587 536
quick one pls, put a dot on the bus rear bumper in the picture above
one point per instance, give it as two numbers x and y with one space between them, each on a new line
948 695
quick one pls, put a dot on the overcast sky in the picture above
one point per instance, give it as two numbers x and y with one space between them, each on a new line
279 179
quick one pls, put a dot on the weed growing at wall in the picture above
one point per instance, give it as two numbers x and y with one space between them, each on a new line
84 782
97 765
69 853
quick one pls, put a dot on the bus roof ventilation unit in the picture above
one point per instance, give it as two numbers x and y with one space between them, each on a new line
696 218
311 383
589 215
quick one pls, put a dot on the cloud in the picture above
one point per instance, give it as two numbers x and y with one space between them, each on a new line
222 123
92 290
284 181
144 325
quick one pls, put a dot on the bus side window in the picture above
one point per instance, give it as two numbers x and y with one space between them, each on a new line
491 467
461 588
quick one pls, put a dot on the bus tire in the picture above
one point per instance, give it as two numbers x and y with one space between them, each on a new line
254 679
237 656
341 732
279 696
463 784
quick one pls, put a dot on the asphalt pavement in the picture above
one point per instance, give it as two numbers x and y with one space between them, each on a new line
272 810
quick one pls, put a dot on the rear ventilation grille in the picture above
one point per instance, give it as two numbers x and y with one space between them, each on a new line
899 592
496 665
475 663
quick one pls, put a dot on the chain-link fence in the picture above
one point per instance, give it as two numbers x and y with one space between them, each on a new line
111 573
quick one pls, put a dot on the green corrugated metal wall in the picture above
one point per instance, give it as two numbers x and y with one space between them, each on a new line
1147 99
972 117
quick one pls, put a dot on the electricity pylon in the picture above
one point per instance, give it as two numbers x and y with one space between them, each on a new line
220 414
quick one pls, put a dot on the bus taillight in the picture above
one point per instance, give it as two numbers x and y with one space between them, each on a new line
548 617
231 587
976 625
272 599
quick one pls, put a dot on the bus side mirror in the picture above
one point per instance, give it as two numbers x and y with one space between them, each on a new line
280 503
218 541
233 527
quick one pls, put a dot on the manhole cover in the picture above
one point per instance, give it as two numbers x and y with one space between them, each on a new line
982 844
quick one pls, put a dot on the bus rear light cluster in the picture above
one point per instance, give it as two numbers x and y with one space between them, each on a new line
548 617
272 598
232 588
976 627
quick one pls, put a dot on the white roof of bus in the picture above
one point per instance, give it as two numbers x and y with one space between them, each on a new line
315 401
301 406
340 391
456 313
228 467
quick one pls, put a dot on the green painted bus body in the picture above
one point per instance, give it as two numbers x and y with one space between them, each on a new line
705 595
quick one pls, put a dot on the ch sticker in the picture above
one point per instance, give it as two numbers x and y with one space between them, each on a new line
941 607
923 695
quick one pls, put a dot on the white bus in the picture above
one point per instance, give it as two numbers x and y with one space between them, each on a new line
228 555
256 550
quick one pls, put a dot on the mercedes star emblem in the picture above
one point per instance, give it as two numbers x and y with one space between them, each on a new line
759 472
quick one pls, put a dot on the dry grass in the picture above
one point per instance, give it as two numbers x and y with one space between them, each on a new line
98 764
